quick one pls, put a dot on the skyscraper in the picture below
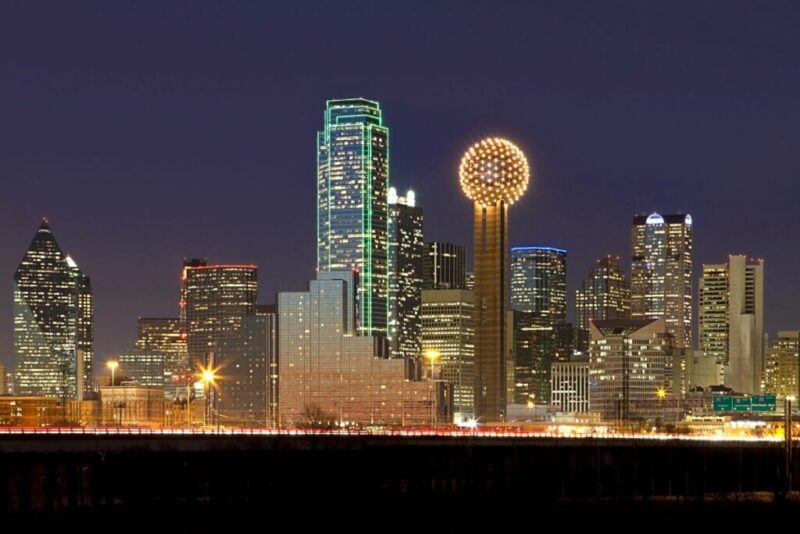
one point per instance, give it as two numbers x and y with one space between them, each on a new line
604 294
539 282
444 266
245 376
165 335
352 210
330 376
143 366
569 386
448 329
406 247
494 173
53 322
627 367
782 365
217 298
732 320
661 273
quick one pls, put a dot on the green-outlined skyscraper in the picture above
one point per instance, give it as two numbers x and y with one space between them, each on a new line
53 322
352 212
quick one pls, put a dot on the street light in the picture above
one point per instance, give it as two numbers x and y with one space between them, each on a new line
661 395
433 355
112 365
207 376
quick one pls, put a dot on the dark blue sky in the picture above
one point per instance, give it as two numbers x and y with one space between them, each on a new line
148 132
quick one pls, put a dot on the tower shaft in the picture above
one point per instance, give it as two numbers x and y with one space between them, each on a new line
491 302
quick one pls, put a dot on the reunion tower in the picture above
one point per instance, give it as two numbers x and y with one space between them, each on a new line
494 173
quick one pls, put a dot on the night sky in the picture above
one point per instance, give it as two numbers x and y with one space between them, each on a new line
146 132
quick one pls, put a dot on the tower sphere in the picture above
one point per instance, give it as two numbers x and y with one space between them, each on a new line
494 170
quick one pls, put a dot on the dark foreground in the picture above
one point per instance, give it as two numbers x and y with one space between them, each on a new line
362 483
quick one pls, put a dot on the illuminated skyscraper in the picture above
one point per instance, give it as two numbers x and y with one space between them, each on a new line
53 322
661 273
217 298
444 266
782 365
328 375
246 378
406 246
448 328
145 367
493 174
165 335
732 320
604 294
627 367
539 282
352 211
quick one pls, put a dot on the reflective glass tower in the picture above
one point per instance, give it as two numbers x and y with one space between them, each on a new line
604 293
406 247
352 212
53 322
539 282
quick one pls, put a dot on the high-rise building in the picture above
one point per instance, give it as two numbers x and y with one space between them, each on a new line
661 273
494 173
469 281
53 322
628 367
406 247
352 210
246 377
539 282
569 386
142 366
604 293
538 343
448 329
165 335
330 376
218 297
444 266
3 387
782 365
732 320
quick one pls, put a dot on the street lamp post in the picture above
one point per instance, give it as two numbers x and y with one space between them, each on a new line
661 395
433 355
208 376
787 431
112 366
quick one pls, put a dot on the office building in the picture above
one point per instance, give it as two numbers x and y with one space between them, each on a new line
3 379
246 373
131 404
444 266
628 367
604 294
165 335
406 247
569 386
469 279
143 367
782 365
493 174
661 273
448 330
217 298
732 320
53 322
331 376
352 208
537 344
539 282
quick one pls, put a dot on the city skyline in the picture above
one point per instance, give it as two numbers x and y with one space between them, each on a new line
139 207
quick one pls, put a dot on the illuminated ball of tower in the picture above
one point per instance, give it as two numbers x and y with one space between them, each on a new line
494 170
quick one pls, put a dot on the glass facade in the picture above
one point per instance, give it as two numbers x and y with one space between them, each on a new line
406 247
53 322
142 366
604 294
448 329
329 375
539 282
164 335
352 209
444 266
661 273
